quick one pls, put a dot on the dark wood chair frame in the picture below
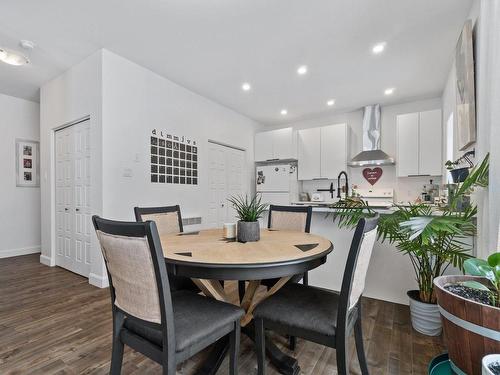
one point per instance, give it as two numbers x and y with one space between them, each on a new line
176 282
167 356
347 320
139 211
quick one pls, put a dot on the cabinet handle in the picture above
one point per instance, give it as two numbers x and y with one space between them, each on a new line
273 159
320 178
418 175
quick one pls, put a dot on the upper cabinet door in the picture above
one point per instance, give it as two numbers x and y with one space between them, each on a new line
333 150
430 143
283 144
408 153
309 154
263 146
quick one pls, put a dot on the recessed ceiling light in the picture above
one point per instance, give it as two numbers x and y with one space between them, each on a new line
246 86
12 57
284 112
302 70
378 48
330 102
389 91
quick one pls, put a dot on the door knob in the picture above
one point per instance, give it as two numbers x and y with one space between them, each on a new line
66 209
222 204
77 210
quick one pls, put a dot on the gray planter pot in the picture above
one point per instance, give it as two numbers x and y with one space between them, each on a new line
425 317
248 231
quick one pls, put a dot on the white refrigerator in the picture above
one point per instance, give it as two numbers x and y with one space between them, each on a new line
277 184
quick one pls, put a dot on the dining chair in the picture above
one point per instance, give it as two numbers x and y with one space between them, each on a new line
320 315
166 326
168 220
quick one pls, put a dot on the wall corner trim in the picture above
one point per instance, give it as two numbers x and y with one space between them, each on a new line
98 281
7 253
48 261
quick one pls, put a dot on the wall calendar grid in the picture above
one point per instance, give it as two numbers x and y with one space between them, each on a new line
174 159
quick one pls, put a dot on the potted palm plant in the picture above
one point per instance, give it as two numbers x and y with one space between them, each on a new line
432 238
248 211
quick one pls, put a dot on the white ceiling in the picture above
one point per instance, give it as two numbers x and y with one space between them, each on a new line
213 46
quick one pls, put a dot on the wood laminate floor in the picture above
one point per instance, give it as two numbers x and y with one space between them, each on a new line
53 322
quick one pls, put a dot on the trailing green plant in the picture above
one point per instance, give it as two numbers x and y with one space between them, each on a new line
489 269
433 239
248 209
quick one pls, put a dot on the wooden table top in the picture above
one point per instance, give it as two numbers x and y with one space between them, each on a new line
209 247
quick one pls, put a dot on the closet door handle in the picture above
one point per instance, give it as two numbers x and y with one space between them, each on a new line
66 209
77 210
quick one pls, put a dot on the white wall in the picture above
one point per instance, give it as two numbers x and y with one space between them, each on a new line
125 102
135 101
20 220
71 96
485 15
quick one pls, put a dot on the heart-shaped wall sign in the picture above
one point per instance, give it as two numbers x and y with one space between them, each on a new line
372 175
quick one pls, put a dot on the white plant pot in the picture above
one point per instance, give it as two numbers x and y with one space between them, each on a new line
425 317
487 359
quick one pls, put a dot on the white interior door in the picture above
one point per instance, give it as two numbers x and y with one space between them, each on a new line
73 212
226 178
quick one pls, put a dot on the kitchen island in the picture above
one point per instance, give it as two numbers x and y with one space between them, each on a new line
390 274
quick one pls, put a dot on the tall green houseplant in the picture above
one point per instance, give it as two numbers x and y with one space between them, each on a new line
432 238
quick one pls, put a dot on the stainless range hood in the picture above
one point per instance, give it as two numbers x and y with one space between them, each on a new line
371 154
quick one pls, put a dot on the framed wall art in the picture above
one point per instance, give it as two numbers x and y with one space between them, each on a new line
465 91
27 163
174 159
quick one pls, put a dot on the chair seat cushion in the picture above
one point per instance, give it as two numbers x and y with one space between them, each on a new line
301 306
195 318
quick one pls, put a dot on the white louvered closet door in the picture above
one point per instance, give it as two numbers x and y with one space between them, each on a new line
73 209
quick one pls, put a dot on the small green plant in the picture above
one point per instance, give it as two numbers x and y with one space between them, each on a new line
489 269
248 209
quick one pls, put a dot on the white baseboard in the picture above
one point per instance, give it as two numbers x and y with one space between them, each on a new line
44 259
7 253
98 281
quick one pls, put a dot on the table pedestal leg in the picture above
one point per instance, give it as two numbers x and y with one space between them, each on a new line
215 357
285 364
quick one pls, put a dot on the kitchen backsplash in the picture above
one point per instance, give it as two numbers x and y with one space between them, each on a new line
406 189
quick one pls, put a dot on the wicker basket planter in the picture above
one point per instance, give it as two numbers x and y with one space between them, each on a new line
471 329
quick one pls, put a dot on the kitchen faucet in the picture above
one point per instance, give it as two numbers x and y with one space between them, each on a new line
346 186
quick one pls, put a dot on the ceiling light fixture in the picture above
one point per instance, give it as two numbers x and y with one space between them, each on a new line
330 102
284 112
13 57
378 48
389 91
246 86
302 70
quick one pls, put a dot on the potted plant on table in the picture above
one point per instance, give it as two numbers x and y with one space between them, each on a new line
248 211
433 240
470 307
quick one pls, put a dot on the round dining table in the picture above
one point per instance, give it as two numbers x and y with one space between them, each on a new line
208 258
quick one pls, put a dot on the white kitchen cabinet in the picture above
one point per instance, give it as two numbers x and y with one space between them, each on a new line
419 148
309 154
275 144
430 157
407 150
322 152
333 150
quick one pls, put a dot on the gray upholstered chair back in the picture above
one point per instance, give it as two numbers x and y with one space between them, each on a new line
168 219
293 218
131 268
362 244
359 277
